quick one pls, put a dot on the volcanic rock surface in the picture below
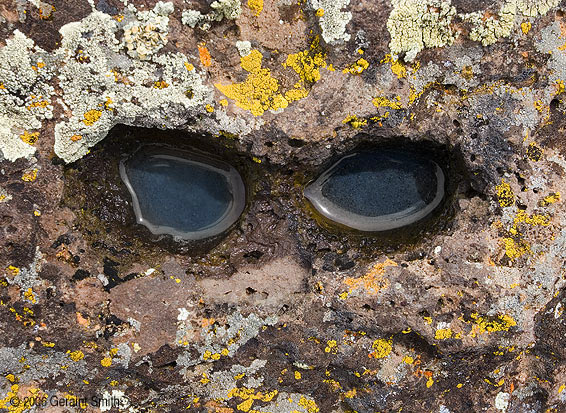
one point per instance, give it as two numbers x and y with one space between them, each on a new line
285 312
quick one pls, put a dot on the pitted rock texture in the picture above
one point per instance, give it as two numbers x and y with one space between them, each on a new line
283 313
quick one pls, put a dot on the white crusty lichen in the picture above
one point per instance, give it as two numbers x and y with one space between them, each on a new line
25 95
552 42
103 87
332 19
221 9
415 25
147 34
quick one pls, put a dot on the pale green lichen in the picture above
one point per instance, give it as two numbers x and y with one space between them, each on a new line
244 47
118 91
415 25
147 34
534 8
489 30
25 95
221 9
332 19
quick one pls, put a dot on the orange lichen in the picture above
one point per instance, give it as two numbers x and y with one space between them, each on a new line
374 281
75 138
204 55
46 11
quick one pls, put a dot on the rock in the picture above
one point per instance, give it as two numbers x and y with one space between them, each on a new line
283 312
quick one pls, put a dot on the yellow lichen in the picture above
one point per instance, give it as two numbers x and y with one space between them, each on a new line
445 333
505 194
30 176
160 84
429 382
408 359
76 355
330 346
381 348
515 249
106 362
383 102
525 27
30 138
13 270
397 68
259 92
30 296
483 324
551 199
355 122
309 405
357 68
467 72
534 219
249 396
256 6
534 152
91 117
306 65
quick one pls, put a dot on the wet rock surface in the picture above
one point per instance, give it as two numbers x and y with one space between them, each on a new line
283 312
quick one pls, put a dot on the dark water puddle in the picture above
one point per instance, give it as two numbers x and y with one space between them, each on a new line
184 194
378 190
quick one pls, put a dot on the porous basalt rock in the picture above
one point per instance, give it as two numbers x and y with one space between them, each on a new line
284 313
